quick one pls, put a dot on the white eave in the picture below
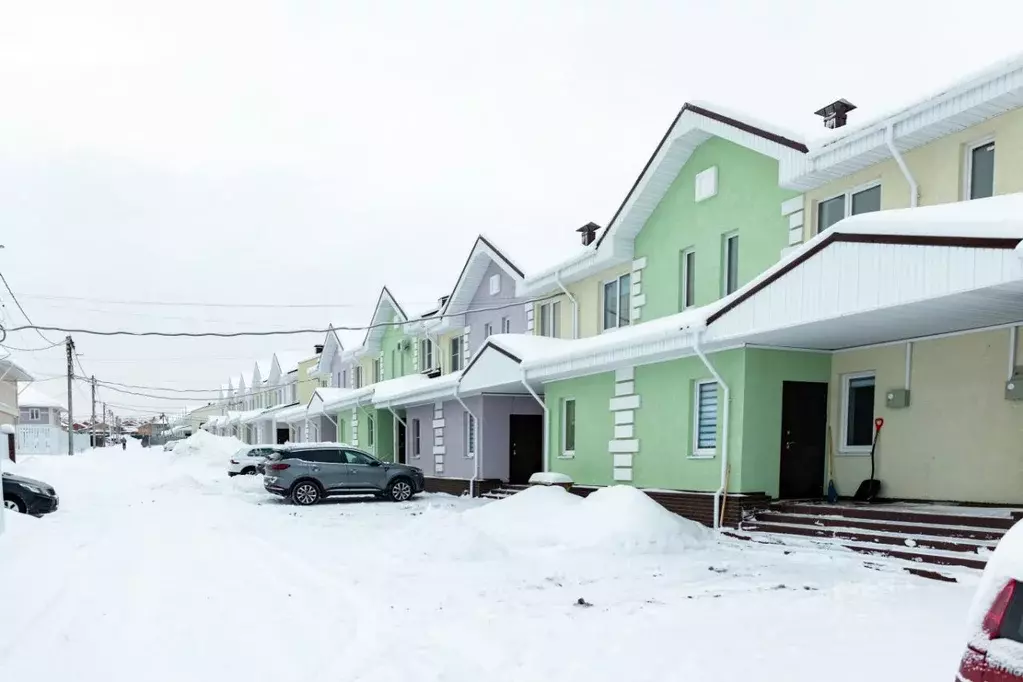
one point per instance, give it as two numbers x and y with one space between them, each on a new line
971 101
414 389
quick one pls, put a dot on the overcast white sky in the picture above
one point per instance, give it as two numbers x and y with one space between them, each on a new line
313 151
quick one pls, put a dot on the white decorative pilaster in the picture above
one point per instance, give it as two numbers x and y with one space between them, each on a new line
415 354
624 446
438 438
355 426
465 347
793 209
638 299
530 310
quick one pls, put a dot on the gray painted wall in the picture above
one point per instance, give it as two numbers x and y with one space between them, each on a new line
496 445
516 314
44 416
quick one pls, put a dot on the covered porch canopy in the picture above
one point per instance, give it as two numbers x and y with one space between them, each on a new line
884 277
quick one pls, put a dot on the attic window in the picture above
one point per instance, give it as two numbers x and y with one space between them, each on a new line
495 284
707 183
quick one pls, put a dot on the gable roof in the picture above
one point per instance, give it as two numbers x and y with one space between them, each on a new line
287 360
30 396
968 102
384 312
694 124
469 280
331 346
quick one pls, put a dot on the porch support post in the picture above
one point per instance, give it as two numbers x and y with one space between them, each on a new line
546 423
724 427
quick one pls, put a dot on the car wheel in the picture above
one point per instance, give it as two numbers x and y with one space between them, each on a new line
400 490
14 504
305 493
249 471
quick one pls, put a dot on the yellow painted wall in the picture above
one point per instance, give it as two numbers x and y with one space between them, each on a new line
588 294
366 362
444 348
304 385
958 440
937 167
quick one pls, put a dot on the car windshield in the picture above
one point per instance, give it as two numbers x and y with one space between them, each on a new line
241 452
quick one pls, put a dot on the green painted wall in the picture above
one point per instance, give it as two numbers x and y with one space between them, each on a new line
765 372
664 423
594 428
385 436
748 201
397 362
344 426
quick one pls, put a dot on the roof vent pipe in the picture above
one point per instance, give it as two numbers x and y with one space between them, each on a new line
836 114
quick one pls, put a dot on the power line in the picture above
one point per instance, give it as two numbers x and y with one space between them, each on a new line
197 304
276 332
27 318
117 388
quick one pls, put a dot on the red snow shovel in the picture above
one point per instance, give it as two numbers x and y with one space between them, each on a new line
869 489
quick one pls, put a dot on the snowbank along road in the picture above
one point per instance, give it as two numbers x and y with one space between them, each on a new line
160 567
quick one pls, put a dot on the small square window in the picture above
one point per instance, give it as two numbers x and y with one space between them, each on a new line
731 263
617 302
495 284
858 411
33 414
705 418
456 353
865 201
425 354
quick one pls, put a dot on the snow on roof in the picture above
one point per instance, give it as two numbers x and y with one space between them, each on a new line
403 387
749 120
30 396
996 217
291 413
341 398
837 136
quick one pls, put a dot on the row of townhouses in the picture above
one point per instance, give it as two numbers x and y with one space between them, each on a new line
755 305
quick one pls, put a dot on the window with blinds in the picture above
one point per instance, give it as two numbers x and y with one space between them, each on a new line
705 418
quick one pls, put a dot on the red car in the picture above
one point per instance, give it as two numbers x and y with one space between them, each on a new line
994 652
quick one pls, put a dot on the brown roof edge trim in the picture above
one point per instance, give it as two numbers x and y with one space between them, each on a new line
468 259
746 127
487 345
898 239
707 113
503 257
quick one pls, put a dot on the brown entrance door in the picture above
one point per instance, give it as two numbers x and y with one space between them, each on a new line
526 447
804 427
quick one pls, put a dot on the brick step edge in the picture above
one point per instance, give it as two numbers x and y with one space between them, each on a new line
822 521
891 513
897 540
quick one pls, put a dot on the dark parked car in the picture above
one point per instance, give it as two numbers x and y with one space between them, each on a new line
29 496
307 474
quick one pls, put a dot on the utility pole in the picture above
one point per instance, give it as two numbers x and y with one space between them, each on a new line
70 346
92 424
107 434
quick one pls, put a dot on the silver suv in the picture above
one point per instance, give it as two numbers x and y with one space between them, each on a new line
306 474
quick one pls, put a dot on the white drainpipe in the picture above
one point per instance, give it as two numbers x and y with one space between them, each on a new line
914 189
479 440
575 305
724 427
546 423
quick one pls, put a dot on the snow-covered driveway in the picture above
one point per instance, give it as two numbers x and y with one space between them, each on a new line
159 567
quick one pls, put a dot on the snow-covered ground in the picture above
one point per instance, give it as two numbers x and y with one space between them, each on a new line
159 567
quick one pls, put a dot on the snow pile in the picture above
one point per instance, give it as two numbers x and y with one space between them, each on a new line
623 519
539 516
208 446
549 478
618 519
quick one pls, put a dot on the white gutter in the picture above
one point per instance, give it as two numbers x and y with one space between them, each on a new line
546 423
914 189
724 428
479 448
575 305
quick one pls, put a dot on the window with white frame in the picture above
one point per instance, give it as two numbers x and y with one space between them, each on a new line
425 354
357 376
568 427
506 325
550 314
416 442
854 202
370 431
687 279
33 414
980 170
617 301
730 264
470 435
488 330
705 418
456 353
495 284
378 370
344 378
857 411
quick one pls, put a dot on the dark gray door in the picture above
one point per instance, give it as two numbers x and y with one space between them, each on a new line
364 472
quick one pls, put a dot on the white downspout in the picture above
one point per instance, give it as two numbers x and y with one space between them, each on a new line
726 395
575 304
479 446
914 189
909 362
1013 335
546 423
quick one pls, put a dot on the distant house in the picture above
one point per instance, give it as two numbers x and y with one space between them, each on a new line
10 375
39 429
38 409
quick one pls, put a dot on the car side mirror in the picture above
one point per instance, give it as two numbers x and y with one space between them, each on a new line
374 463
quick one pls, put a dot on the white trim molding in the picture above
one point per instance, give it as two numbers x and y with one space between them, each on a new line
624 445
